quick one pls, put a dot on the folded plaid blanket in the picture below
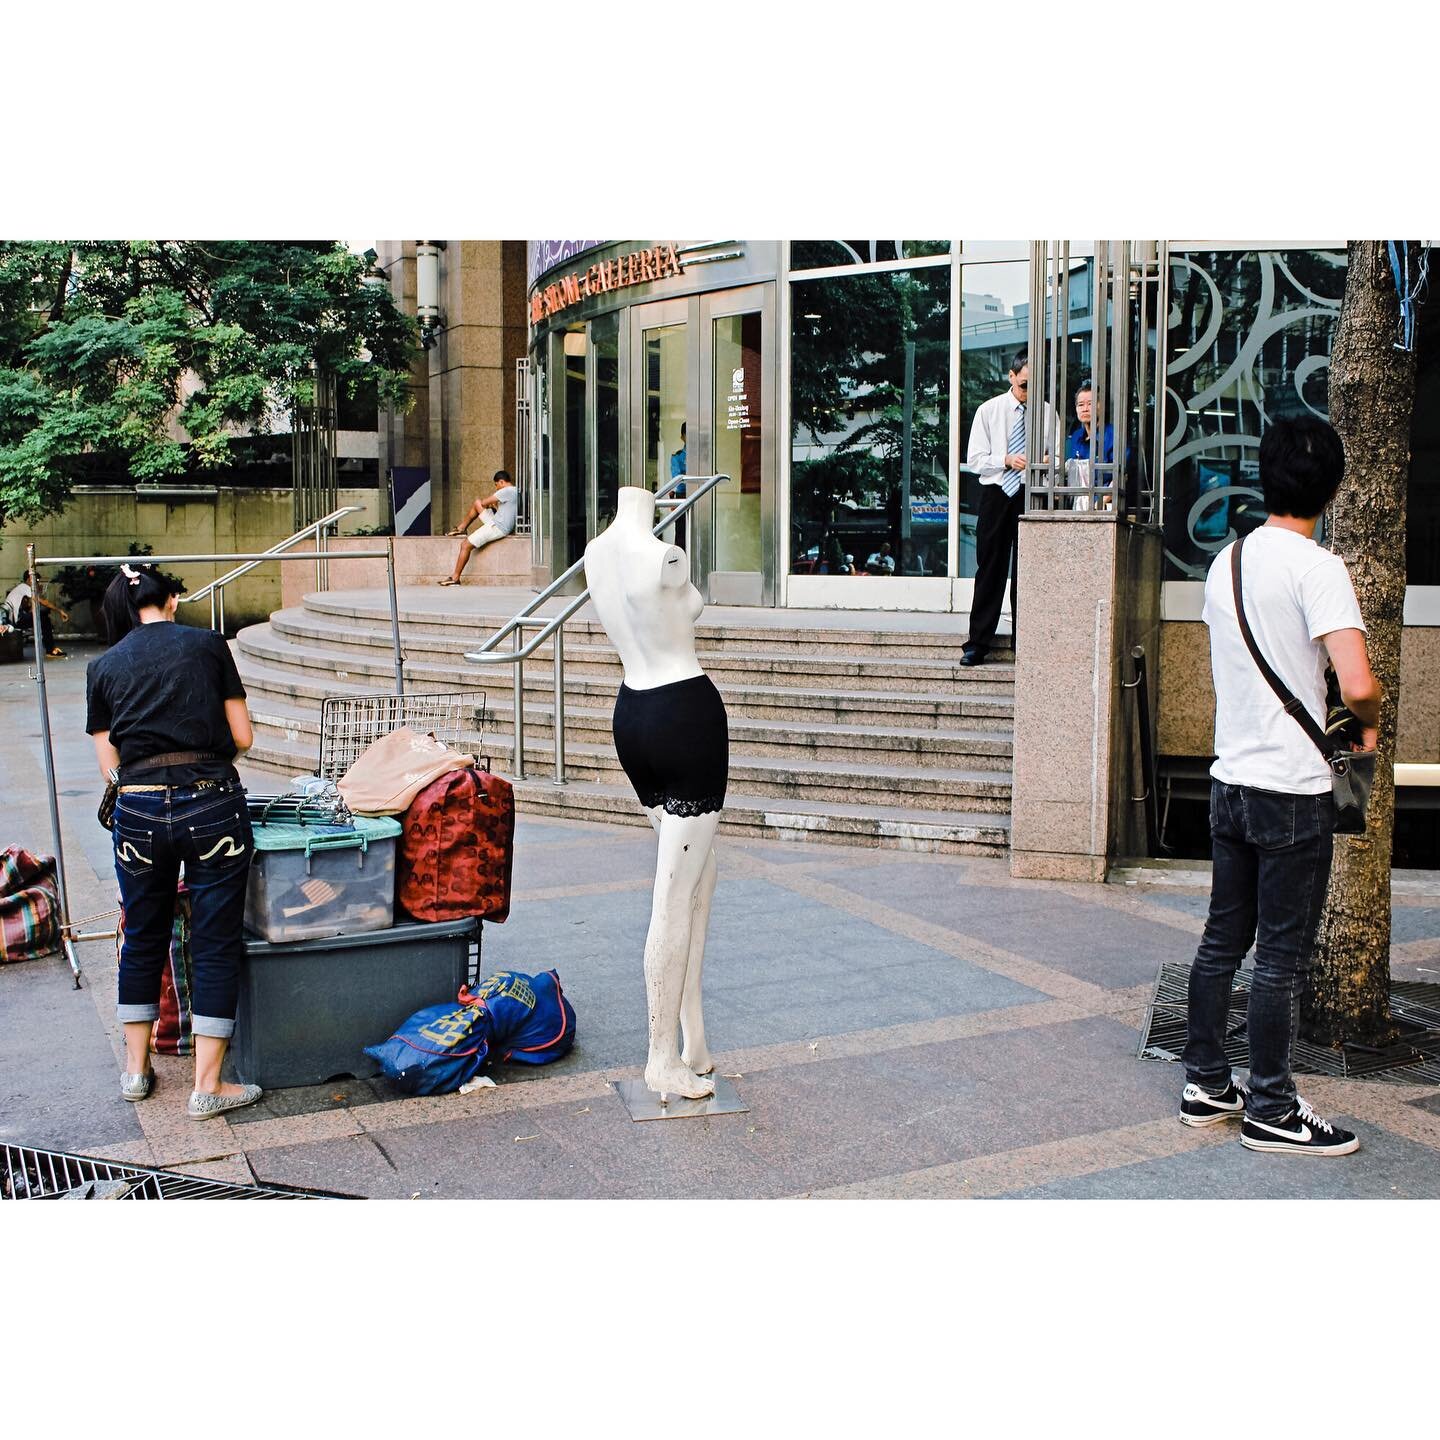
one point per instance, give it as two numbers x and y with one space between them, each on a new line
29 905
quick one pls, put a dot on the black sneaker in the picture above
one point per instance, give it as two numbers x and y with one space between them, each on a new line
1200 1107
1302 1132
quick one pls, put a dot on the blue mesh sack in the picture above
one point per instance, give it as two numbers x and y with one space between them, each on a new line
437 1049
532 1023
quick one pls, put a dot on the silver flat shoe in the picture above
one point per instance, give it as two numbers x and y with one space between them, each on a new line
136 1087
207 1107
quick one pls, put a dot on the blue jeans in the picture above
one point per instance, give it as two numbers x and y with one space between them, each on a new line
1272 867
208 828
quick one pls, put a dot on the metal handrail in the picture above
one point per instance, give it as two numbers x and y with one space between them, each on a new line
698 487
316 527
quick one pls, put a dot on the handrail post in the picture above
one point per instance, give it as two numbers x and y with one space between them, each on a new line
319 563
213 592
519 704
63 890
394 615
560 705
221 626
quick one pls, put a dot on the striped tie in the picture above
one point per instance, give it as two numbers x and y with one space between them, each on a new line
1011 483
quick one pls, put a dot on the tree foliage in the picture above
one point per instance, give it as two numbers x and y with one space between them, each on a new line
158 352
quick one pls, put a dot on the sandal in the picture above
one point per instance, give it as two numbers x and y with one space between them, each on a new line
449 580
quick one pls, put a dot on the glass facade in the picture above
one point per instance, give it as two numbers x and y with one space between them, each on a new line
858 469
870 424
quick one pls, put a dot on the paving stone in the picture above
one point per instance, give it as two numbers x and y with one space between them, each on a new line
1081 939
1385 1167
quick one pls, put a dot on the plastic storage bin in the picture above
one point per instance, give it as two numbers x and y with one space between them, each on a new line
309 1008
309 881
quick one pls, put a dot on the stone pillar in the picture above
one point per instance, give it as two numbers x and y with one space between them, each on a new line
472 372
1089 592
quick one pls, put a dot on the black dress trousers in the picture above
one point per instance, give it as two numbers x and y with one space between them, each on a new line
997 538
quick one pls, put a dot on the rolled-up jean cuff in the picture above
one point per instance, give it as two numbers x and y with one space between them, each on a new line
133 1014
213 1026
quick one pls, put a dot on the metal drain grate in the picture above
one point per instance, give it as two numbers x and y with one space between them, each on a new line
28 1174
1413 1060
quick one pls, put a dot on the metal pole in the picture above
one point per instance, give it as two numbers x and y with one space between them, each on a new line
560 706
33 580
213 625
221 593
394 616
322 567
519 760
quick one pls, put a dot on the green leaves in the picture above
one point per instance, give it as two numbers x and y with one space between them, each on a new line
156 352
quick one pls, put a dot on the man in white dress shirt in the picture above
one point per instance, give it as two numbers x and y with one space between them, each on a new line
997 455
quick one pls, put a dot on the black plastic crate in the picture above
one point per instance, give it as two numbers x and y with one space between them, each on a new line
308 1008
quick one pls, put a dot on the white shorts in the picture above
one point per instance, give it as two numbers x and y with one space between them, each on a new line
485 534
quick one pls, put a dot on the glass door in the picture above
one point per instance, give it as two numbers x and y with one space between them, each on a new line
735 536
661 402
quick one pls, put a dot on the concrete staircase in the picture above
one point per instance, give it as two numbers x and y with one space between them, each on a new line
873 735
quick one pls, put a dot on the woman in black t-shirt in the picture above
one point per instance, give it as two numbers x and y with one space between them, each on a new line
169 693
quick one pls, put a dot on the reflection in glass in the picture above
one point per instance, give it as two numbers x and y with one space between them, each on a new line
820 254
665 386
738 419
869 394
1249 343
605 347
576 474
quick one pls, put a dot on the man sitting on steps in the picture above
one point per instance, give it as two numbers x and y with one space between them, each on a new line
503 503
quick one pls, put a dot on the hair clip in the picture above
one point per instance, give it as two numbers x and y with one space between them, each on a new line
133 576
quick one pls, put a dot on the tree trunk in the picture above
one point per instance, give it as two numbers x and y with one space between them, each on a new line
1372 393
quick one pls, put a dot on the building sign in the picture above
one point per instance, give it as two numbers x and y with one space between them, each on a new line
543 255
640 267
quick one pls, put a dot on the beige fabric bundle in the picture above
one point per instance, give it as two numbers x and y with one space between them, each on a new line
392 771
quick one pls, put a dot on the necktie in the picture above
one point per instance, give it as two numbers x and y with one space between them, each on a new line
1011 483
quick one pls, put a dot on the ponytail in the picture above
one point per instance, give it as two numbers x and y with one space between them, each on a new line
132 590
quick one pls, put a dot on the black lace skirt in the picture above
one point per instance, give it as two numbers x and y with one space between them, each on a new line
674 744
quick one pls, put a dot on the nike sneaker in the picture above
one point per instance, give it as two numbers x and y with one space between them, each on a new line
1199 1107
1301 1131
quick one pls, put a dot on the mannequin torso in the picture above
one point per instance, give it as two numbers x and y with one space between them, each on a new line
640 588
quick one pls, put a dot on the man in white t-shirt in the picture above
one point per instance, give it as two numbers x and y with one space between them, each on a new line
1272 816
503 503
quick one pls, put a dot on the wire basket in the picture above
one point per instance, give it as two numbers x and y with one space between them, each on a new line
350 724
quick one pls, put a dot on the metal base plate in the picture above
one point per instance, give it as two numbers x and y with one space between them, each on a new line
644 1104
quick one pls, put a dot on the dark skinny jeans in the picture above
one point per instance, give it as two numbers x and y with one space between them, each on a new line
209 830
1271 869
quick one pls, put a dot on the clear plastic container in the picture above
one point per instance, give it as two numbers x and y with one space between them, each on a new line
310 881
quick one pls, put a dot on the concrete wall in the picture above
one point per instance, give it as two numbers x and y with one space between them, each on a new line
103 521
419 560
1187 693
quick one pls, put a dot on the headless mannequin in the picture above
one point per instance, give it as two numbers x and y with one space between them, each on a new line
640 587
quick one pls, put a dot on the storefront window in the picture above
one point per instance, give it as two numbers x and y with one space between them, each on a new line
1249 343
575 362
738 421
870 413
821 254
994 326
605 347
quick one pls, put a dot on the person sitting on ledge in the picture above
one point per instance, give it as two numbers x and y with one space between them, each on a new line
496 527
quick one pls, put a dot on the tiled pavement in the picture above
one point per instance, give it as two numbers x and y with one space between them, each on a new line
900 1025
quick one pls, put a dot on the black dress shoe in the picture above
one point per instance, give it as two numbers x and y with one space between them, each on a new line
973 657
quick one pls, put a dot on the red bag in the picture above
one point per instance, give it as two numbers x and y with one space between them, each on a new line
457 847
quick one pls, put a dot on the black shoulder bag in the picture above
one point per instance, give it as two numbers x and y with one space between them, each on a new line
1352 772
106 813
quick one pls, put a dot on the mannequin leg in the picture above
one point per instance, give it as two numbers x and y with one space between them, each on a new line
684 854
693 1049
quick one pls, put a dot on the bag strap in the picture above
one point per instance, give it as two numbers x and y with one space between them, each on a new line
1288 702
177 757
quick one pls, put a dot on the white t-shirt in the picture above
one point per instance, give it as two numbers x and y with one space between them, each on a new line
20 592
1295 592
506 498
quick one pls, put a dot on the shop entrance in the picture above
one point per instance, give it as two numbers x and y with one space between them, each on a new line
701 402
